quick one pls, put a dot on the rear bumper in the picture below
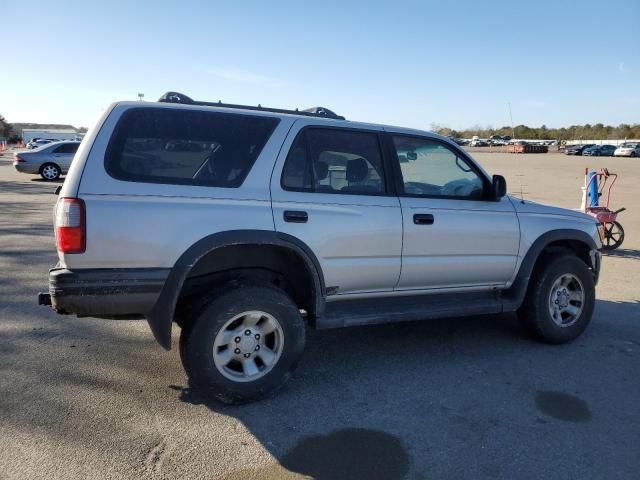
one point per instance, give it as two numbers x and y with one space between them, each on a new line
27 168
105 293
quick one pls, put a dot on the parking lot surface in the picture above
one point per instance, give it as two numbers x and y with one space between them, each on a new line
461 398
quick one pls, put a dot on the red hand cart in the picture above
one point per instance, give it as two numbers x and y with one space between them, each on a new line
611 231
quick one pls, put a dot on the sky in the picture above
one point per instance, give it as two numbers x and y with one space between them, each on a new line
415 64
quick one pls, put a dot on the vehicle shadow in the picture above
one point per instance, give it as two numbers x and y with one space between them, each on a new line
53 182
624 253
366 401
434 399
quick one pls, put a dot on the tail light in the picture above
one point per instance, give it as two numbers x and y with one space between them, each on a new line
17 158
70 224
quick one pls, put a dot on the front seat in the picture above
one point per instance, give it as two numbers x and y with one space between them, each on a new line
321 170
358 171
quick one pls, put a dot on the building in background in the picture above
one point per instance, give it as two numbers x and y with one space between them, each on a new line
29 134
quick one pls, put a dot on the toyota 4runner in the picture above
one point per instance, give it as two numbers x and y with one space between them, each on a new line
247 225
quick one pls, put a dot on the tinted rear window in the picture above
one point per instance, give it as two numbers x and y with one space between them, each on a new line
186 147
67 148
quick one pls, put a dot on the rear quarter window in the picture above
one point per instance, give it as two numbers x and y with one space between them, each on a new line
186 147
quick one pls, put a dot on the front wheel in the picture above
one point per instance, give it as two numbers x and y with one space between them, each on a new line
243 345
560 300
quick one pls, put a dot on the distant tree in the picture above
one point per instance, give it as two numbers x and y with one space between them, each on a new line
6 129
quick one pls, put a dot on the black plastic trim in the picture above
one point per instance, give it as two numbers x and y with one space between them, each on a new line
514 296
369 311
106 292
181 98
161 316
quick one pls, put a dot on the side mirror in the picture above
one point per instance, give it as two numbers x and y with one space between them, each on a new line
499 187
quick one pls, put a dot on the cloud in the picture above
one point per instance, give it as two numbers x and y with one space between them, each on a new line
621 67
244 76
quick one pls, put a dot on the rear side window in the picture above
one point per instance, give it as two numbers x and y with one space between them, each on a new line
186 147
335 161
67 148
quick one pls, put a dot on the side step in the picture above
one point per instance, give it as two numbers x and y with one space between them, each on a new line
371 311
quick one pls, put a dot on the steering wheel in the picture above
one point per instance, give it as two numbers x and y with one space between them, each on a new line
461 188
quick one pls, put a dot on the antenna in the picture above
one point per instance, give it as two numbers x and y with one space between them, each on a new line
522 192
513 130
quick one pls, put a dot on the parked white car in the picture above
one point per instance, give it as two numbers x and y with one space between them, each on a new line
631 149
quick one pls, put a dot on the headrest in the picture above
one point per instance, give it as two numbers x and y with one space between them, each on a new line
322 169
357 170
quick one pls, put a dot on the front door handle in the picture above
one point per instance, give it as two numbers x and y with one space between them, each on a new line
423 219
295 216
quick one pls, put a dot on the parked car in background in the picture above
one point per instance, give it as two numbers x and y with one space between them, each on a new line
38 142
496 140
476 142
629 149
599 151
49 161
577 149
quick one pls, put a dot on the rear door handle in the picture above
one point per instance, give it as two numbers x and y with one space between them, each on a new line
423 219
295 216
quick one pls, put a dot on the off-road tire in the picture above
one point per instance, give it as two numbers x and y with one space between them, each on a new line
534 312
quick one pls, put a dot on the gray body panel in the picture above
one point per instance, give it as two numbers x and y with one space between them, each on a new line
471 243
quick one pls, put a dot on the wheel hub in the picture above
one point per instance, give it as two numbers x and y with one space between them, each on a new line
563 298
248 346
566 300
247 342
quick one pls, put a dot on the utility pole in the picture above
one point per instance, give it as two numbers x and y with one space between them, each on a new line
513 130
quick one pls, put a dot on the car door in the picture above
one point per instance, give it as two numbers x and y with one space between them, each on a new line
454 236
330 190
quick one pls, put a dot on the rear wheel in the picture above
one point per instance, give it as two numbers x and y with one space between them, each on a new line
560 300
243 345
50 171
613 235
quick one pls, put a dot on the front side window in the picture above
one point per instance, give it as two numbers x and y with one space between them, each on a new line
431 169
335 161
186 147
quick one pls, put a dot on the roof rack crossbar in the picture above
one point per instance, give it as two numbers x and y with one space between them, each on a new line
175 97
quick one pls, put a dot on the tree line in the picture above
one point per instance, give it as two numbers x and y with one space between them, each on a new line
574 132
6 129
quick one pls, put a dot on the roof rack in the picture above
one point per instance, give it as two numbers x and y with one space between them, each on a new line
175 97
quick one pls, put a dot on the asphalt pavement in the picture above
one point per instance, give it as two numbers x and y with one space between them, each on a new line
446 399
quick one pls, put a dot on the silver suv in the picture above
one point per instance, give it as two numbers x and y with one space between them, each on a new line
247 225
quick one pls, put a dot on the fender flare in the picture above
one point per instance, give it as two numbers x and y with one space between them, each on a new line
160 318
514 296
